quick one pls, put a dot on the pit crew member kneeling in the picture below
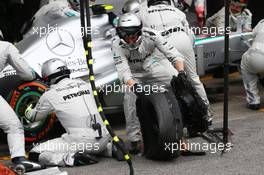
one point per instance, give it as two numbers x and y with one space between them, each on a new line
73 102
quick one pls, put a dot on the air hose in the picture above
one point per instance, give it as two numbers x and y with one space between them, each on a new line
87 42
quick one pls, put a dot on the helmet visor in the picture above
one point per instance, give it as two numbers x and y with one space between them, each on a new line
132 39
127 32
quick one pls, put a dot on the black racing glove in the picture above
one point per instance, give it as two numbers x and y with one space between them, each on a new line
182 77
182 74
136 89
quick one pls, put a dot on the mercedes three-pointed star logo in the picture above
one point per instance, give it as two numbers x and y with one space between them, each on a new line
60 42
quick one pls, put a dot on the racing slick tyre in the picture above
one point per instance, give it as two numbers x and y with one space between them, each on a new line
161 125
20 95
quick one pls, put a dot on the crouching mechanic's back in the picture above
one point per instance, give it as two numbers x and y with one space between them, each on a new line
73 102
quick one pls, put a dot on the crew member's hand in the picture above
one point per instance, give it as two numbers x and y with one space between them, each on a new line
131 83
139 91
179 66
247 30
184 80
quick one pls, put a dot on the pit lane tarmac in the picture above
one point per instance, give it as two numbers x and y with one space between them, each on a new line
246 156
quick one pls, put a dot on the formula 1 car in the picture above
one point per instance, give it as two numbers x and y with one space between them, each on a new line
62 39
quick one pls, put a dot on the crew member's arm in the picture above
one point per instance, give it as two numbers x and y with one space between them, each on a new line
121 63
173 55
200 11
41 110
247 26
217 20
20 65
59 9
258 28
112 18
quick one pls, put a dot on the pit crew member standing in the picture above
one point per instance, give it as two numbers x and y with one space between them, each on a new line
9 121
252 65
199 5
240 17
174 28
133 51
73 102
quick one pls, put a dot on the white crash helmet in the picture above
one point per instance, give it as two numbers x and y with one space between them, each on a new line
129 24
54 70
131 6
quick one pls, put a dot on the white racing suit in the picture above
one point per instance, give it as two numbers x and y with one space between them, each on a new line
238 22
73 102
145 68
47 14
174 28
9 121
252 64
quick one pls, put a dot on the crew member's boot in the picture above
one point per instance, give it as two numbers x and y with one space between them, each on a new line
28 165
84 158
135 147
117 153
